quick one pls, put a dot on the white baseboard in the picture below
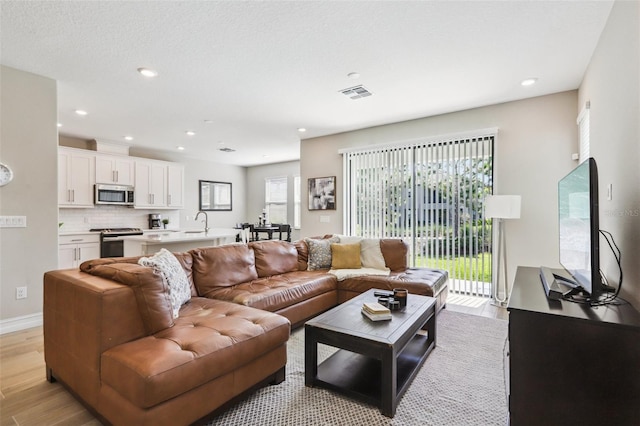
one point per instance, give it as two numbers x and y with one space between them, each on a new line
10 325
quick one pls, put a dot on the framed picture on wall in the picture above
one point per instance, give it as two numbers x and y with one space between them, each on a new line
322 193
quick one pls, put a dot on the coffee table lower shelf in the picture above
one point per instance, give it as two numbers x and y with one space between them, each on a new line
360 377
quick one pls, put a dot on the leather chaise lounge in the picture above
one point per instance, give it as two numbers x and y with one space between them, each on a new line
111 339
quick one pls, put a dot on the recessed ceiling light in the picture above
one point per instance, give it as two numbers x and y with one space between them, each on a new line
148 72
190 133
529 81
180 148
81 112
302 129
208 121
353 75
128 138
59 124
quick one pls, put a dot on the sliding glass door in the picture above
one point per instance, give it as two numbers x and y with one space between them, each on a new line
431 195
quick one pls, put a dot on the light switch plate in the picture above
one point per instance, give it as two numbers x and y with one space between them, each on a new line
325 219
13 221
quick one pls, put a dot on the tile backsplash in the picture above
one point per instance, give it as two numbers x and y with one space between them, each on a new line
74 220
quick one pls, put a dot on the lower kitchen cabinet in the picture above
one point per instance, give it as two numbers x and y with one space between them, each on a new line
75 249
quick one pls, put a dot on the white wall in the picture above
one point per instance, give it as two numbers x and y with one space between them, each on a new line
256 176
536 138
611 84
28 144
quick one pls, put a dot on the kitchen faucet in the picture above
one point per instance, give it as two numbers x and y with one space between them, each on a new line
206 220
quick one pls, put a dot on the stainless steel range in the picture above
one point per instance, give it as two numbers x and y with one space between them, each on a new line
111 243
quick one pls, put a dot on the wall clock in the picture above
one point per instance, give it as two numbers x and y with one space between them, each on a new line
6 174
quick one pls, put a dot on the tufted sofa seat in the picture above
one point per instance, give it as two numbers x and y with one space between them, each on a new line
110 336
210 339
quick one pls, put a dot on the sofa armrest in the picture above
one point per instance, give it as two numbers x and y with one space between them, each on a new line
85 315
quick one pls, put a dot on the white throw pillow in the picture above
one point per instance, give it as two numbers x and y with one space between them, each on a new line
165 263
371 254
347 239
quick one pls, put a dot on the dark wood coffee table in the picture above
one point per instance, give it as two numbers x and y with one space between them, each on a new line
378 360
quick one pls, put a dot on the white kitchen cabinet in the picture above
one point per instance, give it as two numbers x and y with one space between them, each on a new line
150 184
75 249
76 177
115 170
175 186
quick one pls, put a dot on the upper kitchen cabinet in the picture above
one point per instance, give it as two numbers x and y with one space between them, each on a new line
150 184
76 177
114 170
175 186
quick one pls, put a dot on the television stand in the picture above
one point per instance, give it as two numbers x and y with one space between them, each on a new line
570 363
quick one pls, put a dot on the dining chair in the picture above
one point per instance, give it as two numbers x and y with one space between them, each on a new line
248 228
286 229
244 235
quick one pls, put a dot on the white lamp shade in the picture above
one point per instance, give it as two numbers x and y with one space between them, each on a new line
502 206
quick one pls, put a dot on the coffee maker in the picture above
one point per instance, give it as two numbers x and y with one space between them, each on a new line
155 221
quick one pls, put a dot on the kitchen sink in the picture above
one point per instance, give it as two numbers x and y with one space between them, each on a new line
194 232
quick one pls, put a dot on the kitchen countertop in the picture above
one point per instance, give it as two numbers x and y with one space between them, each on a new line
171 236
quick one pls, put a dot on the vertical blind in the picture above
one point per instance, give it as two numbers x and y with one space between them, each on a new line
431 195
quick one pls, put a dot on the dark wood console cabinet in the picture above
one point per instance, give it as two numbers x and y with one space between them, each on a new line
571 364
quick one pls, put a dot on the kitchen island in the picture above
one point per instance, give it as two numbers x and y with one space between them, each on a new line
177 241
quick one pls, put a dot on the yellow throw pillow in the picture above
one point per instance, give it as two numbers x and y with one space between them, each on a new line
345 256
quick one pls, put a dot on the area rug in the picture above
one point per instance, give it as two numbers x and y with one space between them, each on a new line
462 382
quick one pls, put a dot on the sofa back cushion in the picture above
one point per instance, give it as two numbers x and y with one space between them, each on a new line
151 292
274 257
303 254
222 266
184 258
395 253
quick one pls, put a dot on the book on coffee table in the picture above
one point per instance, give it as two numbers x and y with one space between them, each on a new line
376 312
376 317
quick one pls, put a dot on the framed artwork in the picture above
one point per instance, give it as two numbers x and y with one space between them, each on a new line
215 195
322 193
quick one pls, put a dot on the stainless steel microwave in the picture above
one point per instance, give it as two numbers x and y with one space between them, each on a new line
121 195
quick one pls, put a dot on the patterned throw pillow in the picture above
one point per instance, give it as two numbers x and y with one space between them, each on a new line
319 253
345 256
166 264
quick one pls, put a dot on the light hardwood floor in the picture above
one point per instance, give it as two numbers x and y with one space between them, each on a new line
26 398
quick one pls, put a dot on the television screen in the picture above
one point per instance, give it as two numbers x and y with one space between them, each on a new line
579 227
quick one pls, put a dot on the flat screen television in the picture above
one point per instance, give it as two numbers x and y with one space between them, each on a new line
579 230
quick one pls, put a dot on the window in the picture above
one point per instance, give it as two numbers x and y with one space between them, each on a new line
276 199
583 126
296 202
431 194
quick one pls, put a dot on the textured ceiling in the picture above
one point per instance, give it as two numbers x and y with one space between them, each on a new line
260 70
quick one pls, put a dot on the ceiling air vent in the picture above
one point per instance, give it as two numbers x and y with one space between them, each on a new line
356 92
227 150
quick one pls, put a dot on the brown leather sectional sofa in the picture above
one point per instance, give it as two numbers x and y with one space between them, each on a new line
111 339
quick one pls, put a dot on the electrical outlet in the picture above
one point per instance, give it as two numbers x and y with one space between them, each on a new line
21 292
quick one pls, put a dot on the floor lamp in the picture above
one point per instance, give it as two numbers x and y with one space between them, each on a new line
501 207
